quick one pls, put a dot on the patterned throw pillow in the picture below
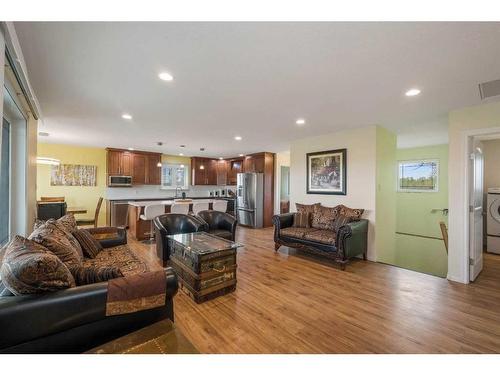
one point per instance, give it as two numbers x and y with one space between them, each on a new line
324 217
90 246
340 221
353 213
85 275
308 208
56 241
301 220
67 224
29 268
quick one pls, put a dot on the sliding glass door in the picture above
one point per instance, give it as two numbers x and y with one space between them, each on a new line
4 182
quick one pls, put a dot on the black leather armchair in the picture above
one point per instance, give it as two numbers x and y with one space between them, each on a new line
168 224
219 223
72 320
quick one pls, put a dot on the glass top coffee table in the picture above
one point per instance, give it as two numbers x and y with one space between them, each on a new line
205 264
202 242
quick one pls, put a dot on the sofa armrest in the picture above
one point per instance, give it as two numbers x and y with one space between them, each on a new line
26 318
352 239
280 222
116 236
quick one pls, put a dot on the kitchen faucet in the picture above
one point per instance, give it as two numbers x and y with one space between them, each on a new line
177 190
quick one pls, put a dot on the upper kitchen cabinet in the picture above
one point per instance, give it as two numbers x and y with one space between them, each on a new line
257 163
222 172
234 166
204 171
141 166
154 171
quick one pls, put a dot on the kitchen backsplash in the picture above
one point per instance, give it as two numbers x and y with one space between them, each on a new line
149 191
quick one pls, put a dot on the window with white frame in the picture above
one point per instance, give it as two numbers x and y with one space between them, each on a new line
418 176
174 176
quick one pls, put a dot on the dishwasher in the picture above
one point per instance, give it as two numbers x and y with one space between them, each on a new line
119 214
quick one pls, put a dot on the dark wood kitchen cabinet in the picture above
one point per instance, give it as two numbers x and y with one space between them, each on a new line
206 171
141 165
119 163
234 166
222 172
154 171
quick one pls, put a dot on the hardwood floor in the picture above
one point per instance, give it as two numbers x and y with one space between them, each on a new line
288 303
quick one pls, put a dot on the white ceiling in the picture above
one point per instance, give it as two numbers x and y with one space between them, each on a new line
251 79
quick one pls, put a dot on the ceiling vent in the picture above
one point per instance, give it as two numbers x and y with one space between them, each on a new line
489 89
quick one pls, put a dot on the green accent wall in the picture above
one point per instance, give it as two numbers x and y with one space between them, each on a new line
413 214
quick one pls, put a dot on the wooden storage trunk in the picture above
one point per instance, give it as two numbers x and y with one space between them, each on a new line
204 276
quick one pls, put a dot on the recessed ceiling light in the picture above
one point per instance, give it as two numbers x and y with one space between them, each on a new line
221 158
202 148
300 121
181 154
126 116
131 149
159 143
242 155
182 146
238 138
164 76
43 134
412 92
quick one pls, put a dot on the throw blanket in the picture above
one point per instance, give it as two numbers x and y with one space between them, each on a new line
138 292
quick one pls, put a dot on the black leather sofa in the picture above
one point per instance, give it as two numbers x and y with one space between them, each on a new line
168 224
72 320
219 223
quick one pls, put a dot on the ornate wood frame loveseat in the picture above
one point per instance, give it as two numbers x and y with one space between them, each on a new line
349 241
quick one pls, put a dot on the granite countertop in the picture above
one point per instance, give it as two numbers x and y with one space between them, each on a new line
166 202
164 199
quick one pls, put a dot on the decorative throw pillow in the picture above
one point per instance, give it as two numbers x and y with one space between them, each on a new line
29 268
323 217
353 213
301 220
56 241
90 246
65 224
69 222
341 220
85 275
308 208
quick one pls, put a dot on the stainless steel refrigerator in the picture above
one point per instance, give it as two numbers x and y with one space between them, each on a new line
250 199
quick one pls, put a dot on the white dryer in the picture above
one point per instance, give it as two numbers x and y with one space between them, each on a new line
493 221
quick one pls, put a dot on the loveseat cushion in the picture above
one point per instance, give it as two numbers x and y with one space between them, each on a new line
324 217
121 257
56 241
321 235
29 268
90 246
293 232
90 275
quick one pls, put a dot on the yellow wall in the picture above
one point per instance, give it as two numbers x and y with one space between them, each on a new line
84 196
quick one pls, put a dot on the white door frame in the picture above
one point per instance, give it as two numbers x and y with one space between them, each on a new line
459 221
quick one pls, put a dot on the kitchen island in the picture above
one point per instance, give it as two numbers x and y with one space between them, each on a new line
140 229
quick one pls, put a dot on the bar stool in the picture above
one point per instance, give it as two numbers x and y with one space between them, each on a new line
179 208
150 212
220 205
199 206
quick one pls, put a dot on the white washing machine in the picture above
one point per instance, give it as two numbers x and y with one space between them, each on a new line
493 221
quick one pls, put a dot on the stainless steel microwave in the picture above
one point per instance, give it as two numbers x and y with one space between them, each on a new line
120 181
